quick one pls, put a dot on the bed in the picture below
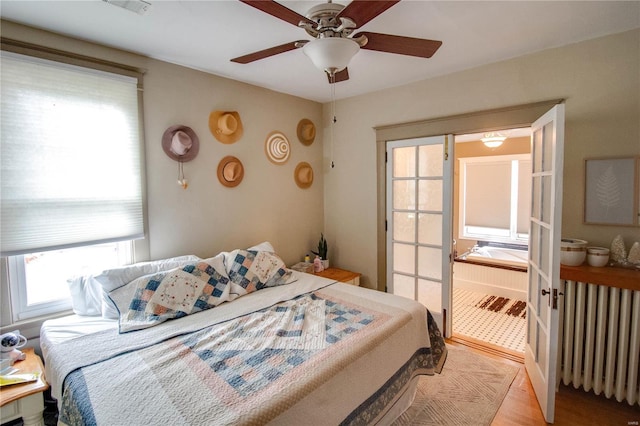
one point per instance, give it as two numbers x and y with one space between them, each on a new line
261 344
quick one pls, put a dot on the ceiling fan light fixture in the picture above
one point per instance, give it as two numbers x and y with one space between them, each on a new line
493 140
331 54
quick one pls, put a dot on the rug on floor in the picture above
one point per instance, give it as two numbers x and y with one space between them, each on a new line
503 305
469 391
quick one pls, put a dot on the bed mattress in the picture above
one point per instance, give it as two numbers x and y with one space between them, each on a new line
73 326
356 364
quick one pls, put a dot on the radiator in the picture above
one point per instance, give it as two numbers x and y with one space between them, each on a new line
600 348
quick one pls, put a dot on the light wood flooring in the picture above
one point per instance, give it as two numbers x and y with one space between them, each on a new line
573 406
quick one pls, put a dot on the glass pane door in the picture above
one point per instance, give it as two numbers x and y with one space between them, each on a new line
541 348
419 221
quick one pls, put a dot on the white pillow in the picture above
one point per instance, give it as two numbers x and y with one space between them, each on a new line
86 295
114 278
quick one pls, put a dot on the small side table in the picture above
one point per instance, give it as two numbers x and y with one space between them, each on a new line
25 400
341 275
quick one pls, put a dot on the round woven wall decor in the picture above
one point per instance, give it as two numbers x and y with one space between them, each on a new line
277 148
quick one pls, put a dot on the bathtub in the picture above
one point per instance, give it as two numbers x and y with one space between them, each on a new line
497 256
492 270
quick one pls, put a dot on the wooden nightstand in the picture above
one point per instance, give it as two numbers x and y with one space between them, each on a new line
25 400
341 275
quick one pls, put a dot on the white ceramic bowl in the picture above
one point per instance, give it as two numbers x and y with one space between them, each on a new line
573 251
597 256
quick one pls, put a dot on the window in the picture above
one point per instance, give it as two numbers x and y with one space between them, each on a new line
71 169
38 281
495 197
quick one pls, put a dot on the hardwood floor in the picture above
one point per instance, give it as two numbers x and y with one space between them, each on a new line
573 406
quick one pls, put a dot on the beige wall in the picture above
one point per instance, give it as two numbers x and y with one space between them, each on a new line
599 79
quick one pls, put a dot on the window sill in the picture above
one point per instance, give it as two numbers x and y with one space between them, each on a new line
30 328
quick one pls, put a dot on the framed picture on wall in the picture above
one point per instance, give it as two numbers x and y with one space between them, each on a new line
611 191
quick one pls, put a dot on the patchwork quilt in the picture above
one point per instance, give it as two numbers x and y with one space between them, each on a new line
326 353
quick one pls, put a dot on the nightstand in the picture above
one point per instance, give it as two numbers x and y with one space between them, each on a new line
25 400
341 275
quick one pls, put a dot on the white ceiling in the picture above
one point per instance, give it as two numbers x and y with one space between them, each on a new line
204 35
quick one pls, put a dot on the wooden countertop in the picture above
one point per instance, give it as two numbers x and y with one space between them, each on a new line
606 275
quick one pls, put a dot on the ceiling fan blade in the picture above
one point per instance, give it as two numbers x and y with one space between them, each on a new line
420 47
363 11
339 76
261 54
277 10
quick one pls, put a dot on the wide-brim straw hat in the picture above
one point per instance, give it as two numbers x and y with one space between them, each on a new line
230 171
277 147
180 139
303 175
306 131
226 126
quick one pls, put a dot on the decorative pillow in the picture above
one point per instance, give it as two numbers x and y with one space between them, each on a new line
118 277
252 270
166 295
263 246
86 295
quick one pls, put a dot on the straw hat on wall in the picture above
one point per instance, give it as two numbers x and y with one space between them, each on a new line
306 131
225 126
180 143
303 175
230 171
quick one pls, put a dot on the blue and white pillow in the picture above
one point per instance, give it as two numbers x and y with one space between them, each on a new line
112 279
252 270
156 298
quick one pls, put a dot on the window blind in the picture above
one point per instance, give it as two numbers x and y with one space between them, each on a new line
71 169
488 194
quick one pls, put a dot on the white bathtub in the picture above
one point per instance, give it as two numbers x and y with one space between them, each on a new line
498 256
495 271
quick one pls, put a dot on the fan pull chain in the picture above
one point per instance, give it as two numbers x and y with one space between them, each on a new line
333 113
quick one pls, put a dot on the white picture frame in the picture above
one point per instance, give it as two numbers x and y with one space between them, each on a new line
611 191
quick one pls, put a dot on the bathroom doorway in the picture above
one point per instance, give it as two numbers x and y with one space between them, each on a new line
491 203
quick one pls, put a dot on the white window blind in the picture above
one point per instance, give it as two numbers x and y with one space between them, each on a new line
495 198
488 194
70 156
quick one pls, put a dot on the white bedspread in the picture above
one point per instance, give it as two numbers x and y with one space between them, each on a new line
358 374
91 348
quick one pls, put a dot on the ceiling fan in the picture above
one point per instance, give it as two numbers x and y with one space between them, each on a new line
331 25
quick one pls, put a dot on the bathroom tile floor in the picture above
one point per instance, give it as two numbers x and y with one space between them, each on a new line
494 320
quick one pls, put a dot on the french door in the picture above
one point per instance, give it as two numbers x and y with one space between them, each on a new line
541 349
419 236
